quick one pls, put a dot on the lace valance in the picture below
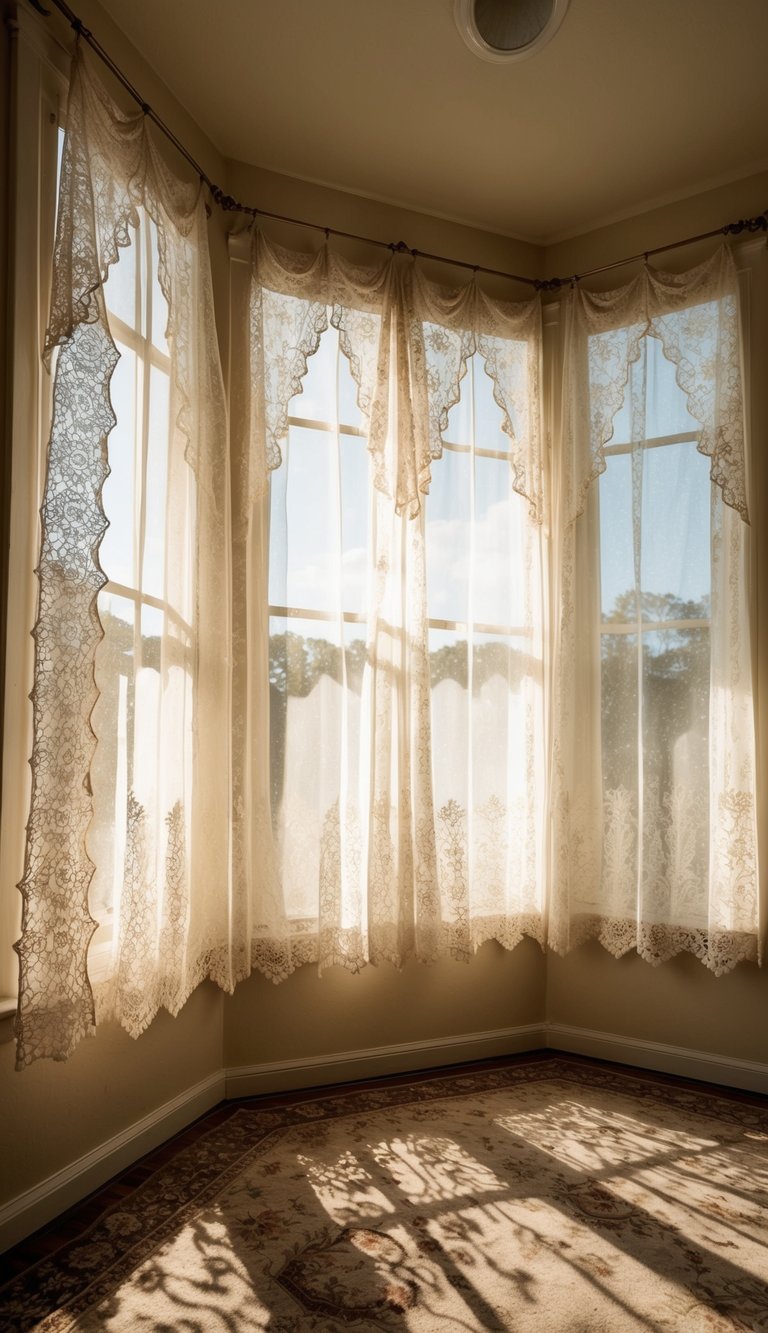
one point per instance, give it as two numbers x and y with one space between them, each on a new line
695 317
408 341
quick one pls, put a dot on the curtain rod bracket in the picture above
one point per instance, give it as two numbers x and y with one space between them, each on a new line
759 223
549 284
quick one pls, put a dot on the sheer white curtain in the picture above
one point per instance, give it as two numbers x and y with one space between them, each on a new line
653 808
292 690
129 834
389 766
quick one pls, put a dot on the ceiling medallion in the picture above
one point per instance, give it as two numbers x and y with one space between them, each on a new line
508 30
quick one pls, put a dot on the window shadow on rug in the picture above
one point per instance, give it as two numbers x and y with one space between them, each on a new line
565 1202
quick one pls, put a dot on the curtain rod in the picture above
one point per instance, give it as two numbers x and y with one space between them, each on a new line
231 205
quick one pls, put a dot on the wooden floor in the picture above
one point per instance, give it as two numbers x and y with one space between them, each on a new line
71 1224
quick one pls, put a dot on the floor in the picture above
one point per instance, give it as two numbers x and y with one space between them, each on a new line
71 1224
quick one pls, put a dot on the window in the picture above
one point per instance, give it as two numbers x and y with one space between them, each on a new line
405 662
134 607
655 542
127 827
485 603
653 781
318 593
404 698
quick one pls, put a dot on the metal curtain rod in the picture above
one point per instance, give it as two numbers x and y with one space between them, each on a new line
231 205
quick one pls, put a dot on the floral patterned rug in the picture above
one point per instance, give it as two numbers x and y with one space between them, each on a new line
548 1195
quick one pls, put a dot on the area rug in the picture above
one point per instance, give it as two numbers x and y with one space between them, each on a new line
547 1195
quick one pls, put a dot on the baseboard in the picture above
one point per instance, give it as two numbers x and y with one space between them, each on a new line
403 1058
39 1205
681 1060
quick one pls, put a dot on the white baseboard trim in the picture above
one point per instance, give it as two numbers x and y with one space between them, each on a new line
39 1205
680 1060
404 1058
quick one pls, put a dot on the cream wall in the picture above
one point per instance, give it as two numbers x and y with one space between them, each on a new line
309 1016
382 222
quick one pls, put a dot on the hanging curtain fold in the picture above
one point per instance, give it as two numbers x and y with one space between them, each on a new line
130 763
350 854
292 695
653 778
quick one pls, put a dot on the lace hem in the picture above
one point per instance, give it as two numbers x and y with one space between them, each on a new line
719 950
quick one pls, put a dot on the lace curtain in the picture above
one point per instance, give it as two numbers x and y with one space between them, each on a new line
130 761
653 781
389 802
307 712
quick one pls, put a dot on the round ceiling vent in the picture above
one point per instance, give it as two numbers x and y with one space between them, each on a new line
506 30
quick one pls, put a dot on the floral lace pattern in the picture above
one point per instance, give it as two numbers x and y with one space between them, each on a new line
201 860
407 342
111 177
653 862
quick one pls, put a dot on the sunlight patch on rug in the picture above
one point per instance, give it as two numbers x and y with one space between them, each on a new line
544 1196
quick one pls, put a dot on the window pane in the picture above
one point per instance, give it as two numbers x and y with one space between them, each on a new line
159 322
314 743
319 523
656 406
112 768
117 553
676 526
447 537
476 389
619 679
328 387
120 291
617 568
153 572
672 529
676 706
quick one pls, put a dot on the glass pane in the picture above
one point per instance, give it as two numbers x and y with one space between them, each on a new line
120 288
676 707
667 406
328 390
619 674
653 404
617 567
319 523
112 767
512 362
447 537
497 556
676 530
448 659
117 552
152 630
355 508
159 321
491 722
673 535
153 572
476 390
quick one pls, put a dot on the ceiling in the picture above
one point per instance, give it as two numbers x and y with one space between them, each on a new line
632 104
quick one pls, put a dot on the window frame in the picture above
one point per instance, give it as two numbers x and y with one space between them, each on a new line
39 84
